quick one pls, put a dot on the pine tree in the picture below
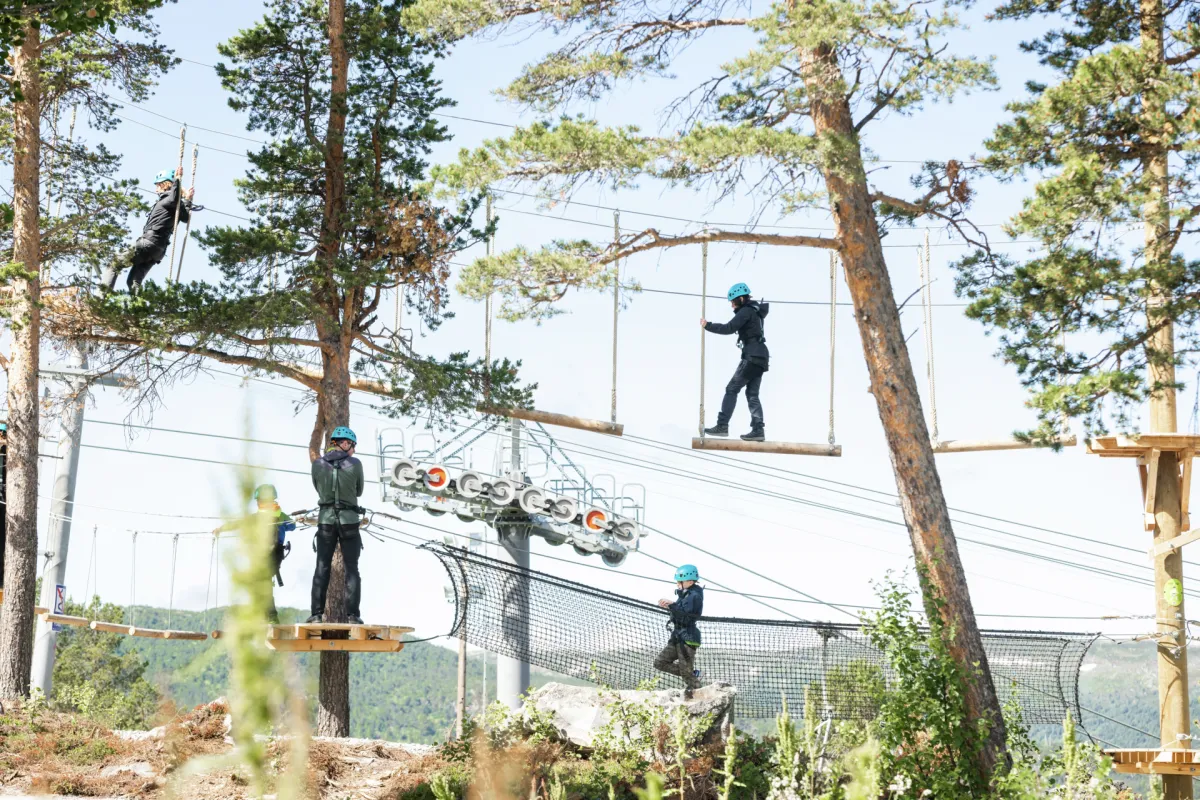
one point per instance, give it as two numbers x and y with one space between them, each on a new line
346 96
57 52
786 120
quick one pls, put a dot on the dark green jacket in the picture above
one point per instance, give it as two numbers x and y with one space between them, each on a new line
338 478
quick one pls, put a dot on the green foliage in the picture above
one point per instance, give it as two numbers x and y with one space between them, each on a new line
94 675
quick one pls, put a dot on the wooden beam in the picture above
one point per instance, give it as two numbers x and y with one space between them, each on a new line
217 634
340 645
192 635
1151 487
562 420
148 633
63 619
784 448
1185 488
110 627
990 445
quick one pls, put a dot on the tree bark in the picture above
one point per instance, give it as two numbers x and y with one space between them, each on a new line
943 581
333 709
20 556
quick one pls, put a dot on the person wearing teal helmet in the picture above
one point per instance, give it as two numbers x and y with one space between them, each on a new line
748 321
678 657
338 478
269 514
151 246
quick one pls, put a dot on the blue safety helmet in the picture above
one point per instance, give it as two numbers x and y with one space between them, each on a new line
164 175
342 432
687 573
737 290
265 494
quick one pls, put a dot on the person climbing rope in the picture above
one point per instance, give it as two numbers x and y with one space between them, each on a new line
151 246
338 478
269 513
747 323
679 656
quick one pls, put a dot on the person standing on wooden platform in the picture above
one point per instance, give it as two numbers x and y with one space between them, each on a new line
747 323
679 656
269 513
338 478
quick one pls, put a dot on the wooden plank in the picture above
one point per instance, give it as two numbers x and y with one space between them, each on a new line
561 420
1185 488
784 448
217 634
1133 446
1171 545
341 645
38 610
64 619
148 633
992 445
190 635
109 627
1151 488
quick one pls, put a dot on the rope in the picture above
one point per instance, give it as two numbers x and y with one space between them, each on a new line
489 247
187 227
174 561
212 557
179 178
50 162
832 334
70 138
133 579
923 260
616 306
703 315
87 581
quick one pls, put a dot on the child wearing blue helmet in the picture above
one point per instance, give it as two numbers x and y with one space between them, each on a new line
679 656
269 513
151 246
747 323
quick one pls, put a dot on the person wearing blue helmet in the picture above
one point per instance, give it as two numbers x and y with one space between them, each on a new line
151 246
269 513
679 655
748 319
338 478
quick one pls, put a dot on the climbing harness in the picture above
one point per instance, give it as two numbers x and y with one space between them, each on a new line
187 227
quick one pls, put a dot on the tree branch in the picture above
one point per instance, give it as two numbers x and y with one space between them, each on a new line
651 239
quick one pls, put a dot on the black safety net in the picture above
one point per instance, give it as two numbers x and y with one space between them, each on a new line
587 633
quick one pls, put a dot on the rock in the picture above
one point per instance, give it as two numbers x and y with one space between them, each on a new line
577 712
142 769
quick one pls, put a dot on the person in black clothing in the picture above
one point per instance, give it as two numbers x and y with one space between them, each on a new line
151 246
747 323
679 656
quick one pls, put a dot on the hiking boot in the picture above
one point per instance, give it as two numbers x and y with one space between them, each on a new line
717 430
315 619
353 620
755 435
689 693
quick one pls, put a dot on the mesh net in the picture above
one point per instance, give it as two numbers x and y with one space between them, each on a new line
587 633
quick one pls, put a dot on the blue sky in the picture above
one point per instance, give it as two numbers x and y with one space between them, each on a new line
826 553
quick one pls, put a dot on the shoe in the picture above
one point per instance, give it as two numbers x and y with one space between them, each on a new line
273 618
315 619
717 430
353 620
755 435
689 693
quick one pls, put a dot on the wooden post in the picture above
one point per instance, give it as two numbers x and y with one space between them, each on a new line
461 706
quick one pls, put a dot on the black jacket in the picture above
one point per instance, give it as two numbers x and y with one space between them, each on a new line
747 323
687 608
161 222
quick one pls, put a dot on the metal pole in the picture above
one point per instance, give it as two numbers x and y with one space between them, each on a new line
512 673
62 508
460 707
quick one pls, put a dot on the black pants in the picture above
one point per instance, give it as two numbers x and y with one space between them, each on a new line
327 544
679 658
748 376
138 260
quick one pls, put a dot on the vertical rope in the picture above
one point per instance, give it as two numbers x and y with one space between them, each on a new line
616 306
62 187
926 270
212 555
703 315
87 581
171 596
187 228
833 262
179 178
133 578
52 159
489 247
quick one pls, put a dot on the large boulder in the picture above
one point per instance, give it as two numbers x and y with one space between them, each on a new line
579 712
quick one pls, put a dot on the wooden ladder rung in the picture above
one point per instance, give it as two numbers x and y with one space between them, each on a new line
65 619
561 420
992 445
784 448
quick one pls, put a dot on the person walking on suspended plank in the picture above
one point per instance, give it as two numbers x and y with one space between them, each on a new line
151 246
338 478
748 319
679 656
270 514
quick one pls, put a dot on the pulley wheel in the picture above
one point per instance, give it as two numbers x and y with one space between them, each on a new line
437 478
595 521
533 500
554 538
502 492
581 551
564 509
469 484
404 474
625 530
613 558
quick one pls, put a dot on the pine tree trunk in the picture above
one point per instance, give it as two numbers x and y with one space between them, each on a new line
20 557
333 710
943 581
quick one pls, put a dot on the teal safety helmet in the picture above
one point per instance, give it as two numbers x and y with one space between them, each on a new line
266 494
738 290
342 432
687 573
164 175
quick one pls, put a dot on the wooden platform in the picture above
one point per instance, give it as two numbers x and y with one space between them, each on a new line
1155 762
993 445
561 420
1147 448
783 448
308 638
